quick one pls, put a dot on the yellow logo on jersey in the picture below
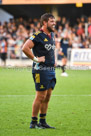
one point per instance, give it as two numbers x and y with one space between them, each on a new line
41 87
37 33
37 78
45 40
33 36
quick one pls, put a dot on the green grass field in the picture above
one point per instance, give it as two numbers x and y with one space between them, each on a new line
69 109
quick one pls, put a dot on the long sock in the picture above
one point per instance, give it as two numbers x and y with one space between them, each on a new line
63 68
42 118
34 120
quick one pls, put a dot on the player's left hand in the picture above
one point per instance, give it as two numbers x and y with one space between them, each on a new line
41 59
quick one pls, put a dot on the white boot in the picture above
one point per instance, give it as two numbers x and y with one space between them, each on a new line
64 74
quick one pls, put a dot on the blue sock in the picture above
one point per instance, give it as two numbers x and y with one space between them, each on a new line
42 118
34 120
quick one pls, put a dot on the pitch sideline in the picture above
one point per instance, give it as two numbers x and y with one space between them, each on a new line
64 95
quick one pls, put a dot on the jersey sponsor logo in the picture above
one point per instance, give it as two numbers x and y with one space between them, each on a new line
49 46
45 40
66 42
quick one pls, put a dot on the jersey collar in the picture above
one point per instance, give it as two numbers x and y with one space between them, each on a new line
49 35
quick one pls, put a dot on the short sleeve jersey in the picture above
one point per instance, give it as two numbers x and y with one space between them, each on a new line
44 46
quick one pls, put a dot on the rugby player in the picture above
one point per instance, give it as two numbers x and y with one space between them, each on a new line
3 50
43 45
64 44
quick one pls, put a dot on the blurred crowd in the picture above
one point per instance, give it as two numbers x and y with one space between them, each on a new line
15 32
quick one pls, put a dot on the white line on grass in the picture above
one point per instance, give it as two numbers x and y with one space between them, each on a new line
64 95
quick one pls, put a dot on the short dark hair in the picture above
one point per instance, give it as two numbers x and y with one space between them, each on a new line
45 17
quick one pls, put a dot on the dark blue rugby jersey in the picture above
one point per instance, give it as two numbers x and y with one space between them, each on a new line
44 46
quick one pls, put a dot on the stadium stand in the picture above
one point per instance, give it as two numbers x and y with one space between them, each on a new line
16 31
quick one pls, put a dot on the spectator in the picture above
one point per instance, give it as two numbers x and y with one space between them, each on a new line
80 29
22 31
17 30
12 44
63 21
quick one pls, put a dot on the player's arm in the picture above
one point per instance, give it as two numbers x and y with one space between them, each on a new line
28 45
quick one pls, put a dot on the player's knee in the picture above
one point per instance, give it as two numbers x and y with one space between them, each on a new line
41 98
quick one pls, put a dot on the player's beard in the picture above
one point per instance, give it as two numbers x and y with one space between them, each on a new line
50 29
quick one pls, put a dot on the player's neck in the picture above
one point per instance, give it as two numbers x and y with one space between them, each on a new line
45 31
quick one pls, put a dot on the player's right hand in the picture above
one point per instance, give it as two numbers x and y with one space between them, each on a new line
41 59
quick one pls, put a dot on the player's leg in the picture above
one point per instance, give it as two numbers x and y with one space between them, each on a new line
39 98
5 56
2 63
44 105
3 59
43 110
64 62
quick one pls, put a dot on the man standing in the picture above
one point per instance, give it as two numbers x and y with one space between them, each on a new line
3 50
64 44
43 45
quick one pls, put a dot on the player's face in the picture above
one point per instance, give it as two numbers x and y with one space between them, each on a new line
51 24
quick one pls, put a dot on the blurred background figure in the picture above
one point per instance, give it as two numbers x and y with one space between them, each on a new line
3 51
64 44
